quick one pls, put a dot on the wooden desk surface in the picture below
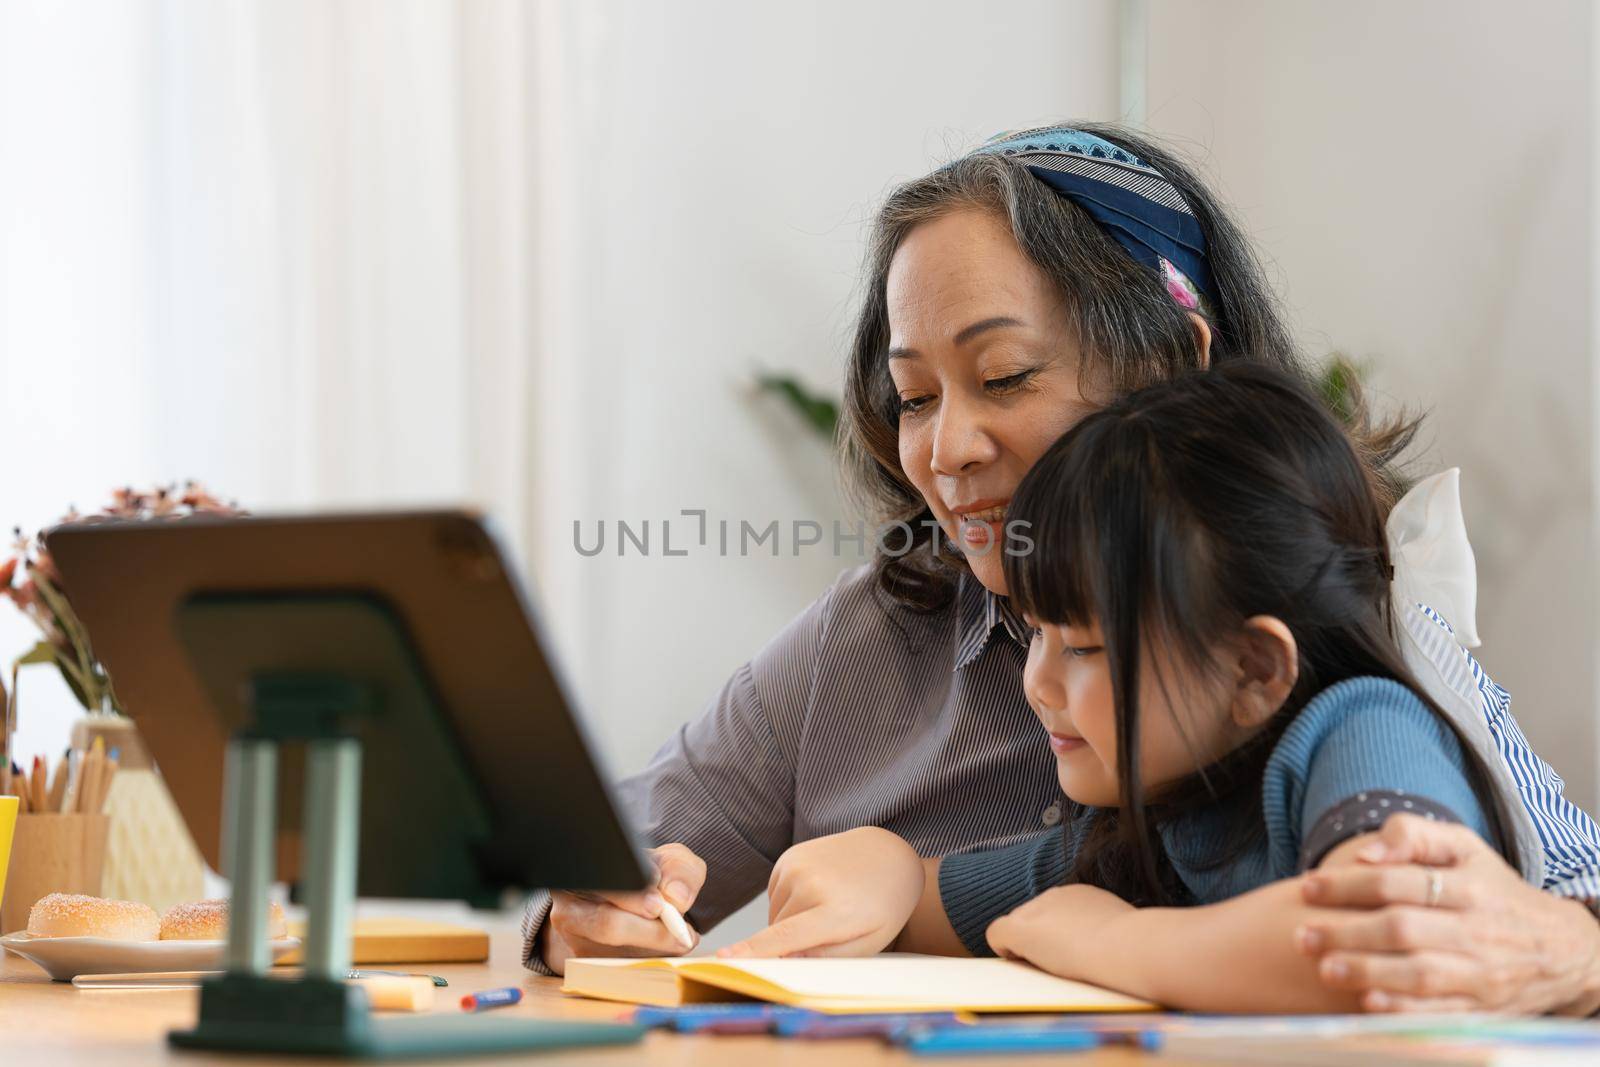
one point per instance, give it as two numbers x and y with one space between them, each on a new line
52 1024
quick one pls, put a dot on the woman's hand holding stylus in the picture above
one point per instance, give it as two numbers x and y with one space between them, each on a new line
625 924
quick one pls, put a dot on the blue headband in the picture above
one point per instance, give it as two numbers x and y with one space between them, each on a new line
1139 208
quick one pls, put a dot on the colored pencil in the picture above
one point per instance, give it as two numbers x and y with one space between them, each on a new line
58 784
36 783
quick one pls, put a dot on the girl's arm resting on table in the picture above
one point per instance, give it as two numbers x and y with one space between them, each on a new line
1235 956
1334 771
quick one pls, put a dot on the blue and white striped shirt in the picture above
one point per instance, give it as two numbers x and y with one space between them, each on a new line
1568 837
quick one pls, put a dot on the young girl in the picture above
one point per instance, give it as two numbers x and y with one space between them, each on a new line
1212 655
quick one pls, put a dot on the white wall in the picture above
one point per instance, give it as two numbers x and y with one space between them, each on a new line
729 158
1420 175
243 243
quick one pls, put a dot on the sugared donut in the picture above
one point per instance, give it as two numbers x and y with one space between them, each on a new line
77 915
207 920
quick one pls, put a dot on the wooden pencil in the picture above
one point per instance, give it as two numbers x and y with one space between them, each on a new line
86 783
36 784
58 784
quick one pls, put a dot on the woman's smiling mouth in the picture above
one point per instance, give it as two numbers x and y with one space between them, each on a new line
981 523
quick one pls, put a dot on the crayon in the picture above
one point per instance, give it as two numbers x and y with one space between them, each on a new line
491 998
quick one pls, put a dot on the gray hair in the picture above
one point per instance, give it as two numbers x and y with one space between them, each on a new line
1130 329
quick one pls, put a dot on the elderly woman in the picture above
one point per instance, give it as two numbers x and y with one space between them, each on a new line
1010 293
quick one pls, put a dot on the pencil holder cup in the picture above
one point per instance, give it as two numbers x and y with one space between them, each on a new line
51 854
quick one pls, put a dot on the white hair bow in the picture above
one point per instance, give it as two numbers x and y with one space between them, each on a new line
1434 566
1432 558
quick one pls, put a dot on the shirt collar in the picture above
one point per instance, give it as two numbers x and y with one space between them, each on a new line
980 612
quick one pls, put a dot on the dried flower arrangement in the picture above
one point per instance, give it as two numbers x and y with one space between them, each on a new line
39 596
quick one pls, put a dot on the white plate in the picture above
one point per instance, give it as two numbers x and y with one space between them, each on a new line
64 958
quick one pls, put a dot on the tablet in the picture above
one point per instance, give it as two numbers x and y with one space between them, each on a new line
477 775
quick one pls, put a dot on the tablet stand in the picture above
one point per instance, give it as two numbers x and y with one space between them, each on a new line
320 1013
399 653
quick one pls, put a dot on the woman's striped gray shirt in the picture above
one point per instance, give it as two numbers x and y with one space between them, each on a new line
857 714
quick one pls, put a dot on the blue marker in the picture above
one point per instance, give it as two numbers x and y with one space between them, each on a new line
895 1027
491 998
976 1040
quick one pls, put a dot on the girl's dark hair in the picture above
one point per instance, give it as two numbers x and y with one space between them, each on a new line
1130 330
1171 517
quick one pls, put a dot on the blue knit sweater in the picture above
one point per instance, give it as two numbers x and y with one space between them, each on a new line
1358 752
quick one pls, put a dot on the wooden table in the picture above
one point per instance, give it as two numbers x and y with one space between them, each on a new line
52 1024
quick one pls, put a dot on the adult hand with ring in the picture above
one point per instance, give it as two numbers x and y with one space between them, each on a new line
1438 921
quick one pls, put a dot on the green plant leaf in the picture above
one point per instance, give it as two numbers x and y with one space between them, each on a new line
79 668
821 413
83 689
43 652
65 617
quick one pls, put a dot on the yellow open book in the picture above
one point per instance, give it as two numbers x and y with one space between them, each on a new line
878 983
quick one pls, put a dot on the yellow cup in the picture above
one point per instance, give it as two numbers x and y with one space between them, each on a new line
8 824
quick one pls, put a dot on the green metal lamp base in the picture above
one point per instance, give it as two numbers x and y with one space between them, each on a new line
251 1013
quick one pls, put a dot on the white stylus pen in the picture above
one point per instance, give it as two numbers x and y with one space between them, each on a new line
672 919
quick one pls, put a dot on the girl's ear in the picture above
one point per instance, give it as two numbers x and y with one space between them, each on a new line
1268 667
1202 338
